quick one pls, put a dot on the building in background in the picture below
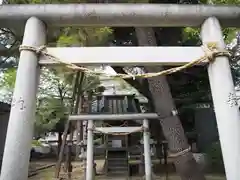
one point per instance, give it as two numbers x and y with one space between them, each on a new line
117 86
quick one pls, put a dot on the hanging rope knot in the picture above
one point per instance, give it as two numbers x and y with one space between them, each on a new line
212 51
23 47
41 49
37 50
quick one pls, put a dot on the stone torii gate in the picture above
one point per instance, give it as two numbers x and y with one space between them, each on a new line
37 18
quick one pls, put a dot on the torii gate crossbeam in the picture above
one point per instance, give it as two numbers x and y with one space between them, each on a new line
133 15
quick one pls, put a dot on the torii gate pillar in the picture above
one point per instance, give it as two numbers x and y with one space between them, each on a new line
21 121
224 101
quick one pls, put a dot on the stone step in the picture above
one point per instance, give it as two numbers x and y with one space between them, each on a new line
118 171
117 154
117 163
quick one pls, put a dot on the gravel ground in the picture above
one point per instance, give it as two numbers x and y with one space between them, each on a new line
77 174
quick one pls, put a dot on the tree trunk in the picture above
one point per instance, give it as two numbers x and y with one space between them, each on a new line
59 142
186 165
69 152
79 128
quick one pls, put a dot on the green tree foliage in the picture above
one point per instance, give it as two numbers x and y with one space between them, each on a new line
72 36
8 44
50 112
191 36
192 86
54 99
7 82
84 36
